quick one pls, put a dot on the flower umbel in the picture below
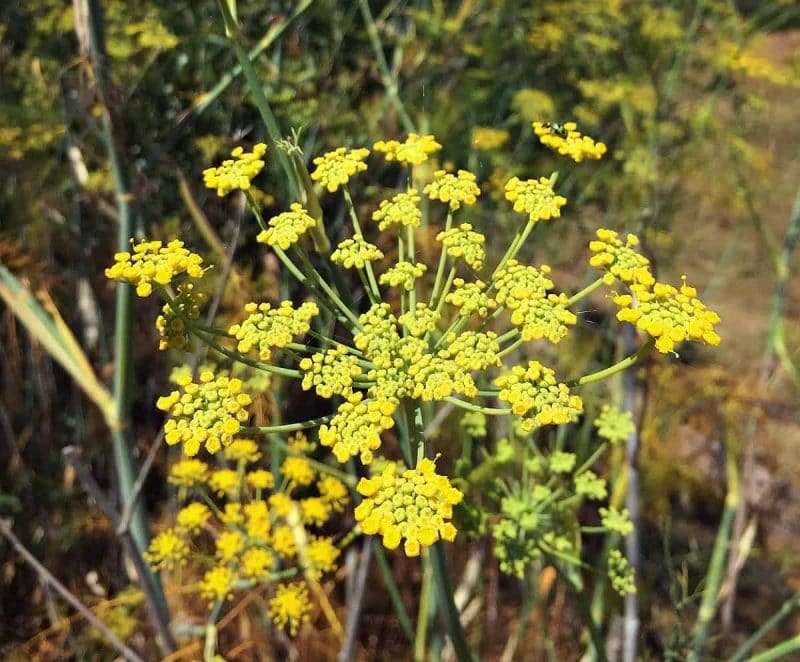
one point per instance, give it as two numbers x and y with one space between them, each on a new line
151 262
334 169
209 412
286 229
568 141
414 150
534 197
453 189
414 506
290 606
236 173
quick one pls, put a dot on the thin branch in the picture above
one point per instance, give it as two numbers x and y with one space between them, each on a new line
355 604
49 578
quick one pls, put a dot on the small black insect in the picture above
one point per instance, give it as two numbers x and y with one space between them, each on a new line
556 128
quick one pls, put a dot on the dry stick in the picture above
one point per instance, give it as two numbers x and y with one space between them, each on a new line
73 455
48 577
355 603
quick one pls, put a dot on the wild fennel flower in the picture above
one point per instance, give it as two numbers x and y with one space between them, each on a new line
568 141
414 150
588 484
266 327
217 584
355 252
236 173
314 511
167 550
403 274
616 520
322 555
669 315
614 425
619 260
286 228
334 169
334 492
463 242
260 479
229 545
414 505
419 320
534 197
224 482
356 428
193 518
455 190
151 262
488 138
242 450
330 373
257 562
470 298
620 573
188 473
297 471
170 324
403 209
290 607
209 412
535 395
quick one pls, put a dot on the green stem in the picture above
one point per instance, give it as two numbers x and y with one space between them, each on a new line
444 590
373 284
257 92
322 283
779 652
394 592
424 609
383 67
585 292
713 579
346 478
442 260
786 608
287 427
446 289
614 369
489 411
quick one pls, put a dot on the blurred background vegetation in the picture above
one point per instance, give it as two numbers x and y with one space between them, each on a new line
698 103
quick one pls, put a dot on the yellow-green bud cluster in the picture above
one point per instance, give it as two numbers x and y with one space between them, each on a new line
152 262
236 173
267 327
534 394
403 274
420 320
619 260
534 197
414 150
209 412
403 209
470 298
357 426
171 325
568 141
334 169
455 190
463 242
286 228
669 315
330 373
614 425
414 506
474 424
355 252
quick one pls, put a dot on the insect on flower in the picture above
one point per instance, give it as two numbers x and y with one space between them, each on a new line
557 128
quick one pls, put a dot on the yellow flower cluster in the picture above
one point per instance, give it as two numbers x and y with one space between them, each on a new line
209 412
669 315
568 141
403 274
334 169
419 320
286 228
403 209
268 327
356 428
534 197
414 506
534 394
193 518
463 242
470 298
167 550
242 450
619 260
236 173
453 189
217 584
170 324
355 252
290 606
472 350
330 373
188 473
152 262
488 138
414 150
